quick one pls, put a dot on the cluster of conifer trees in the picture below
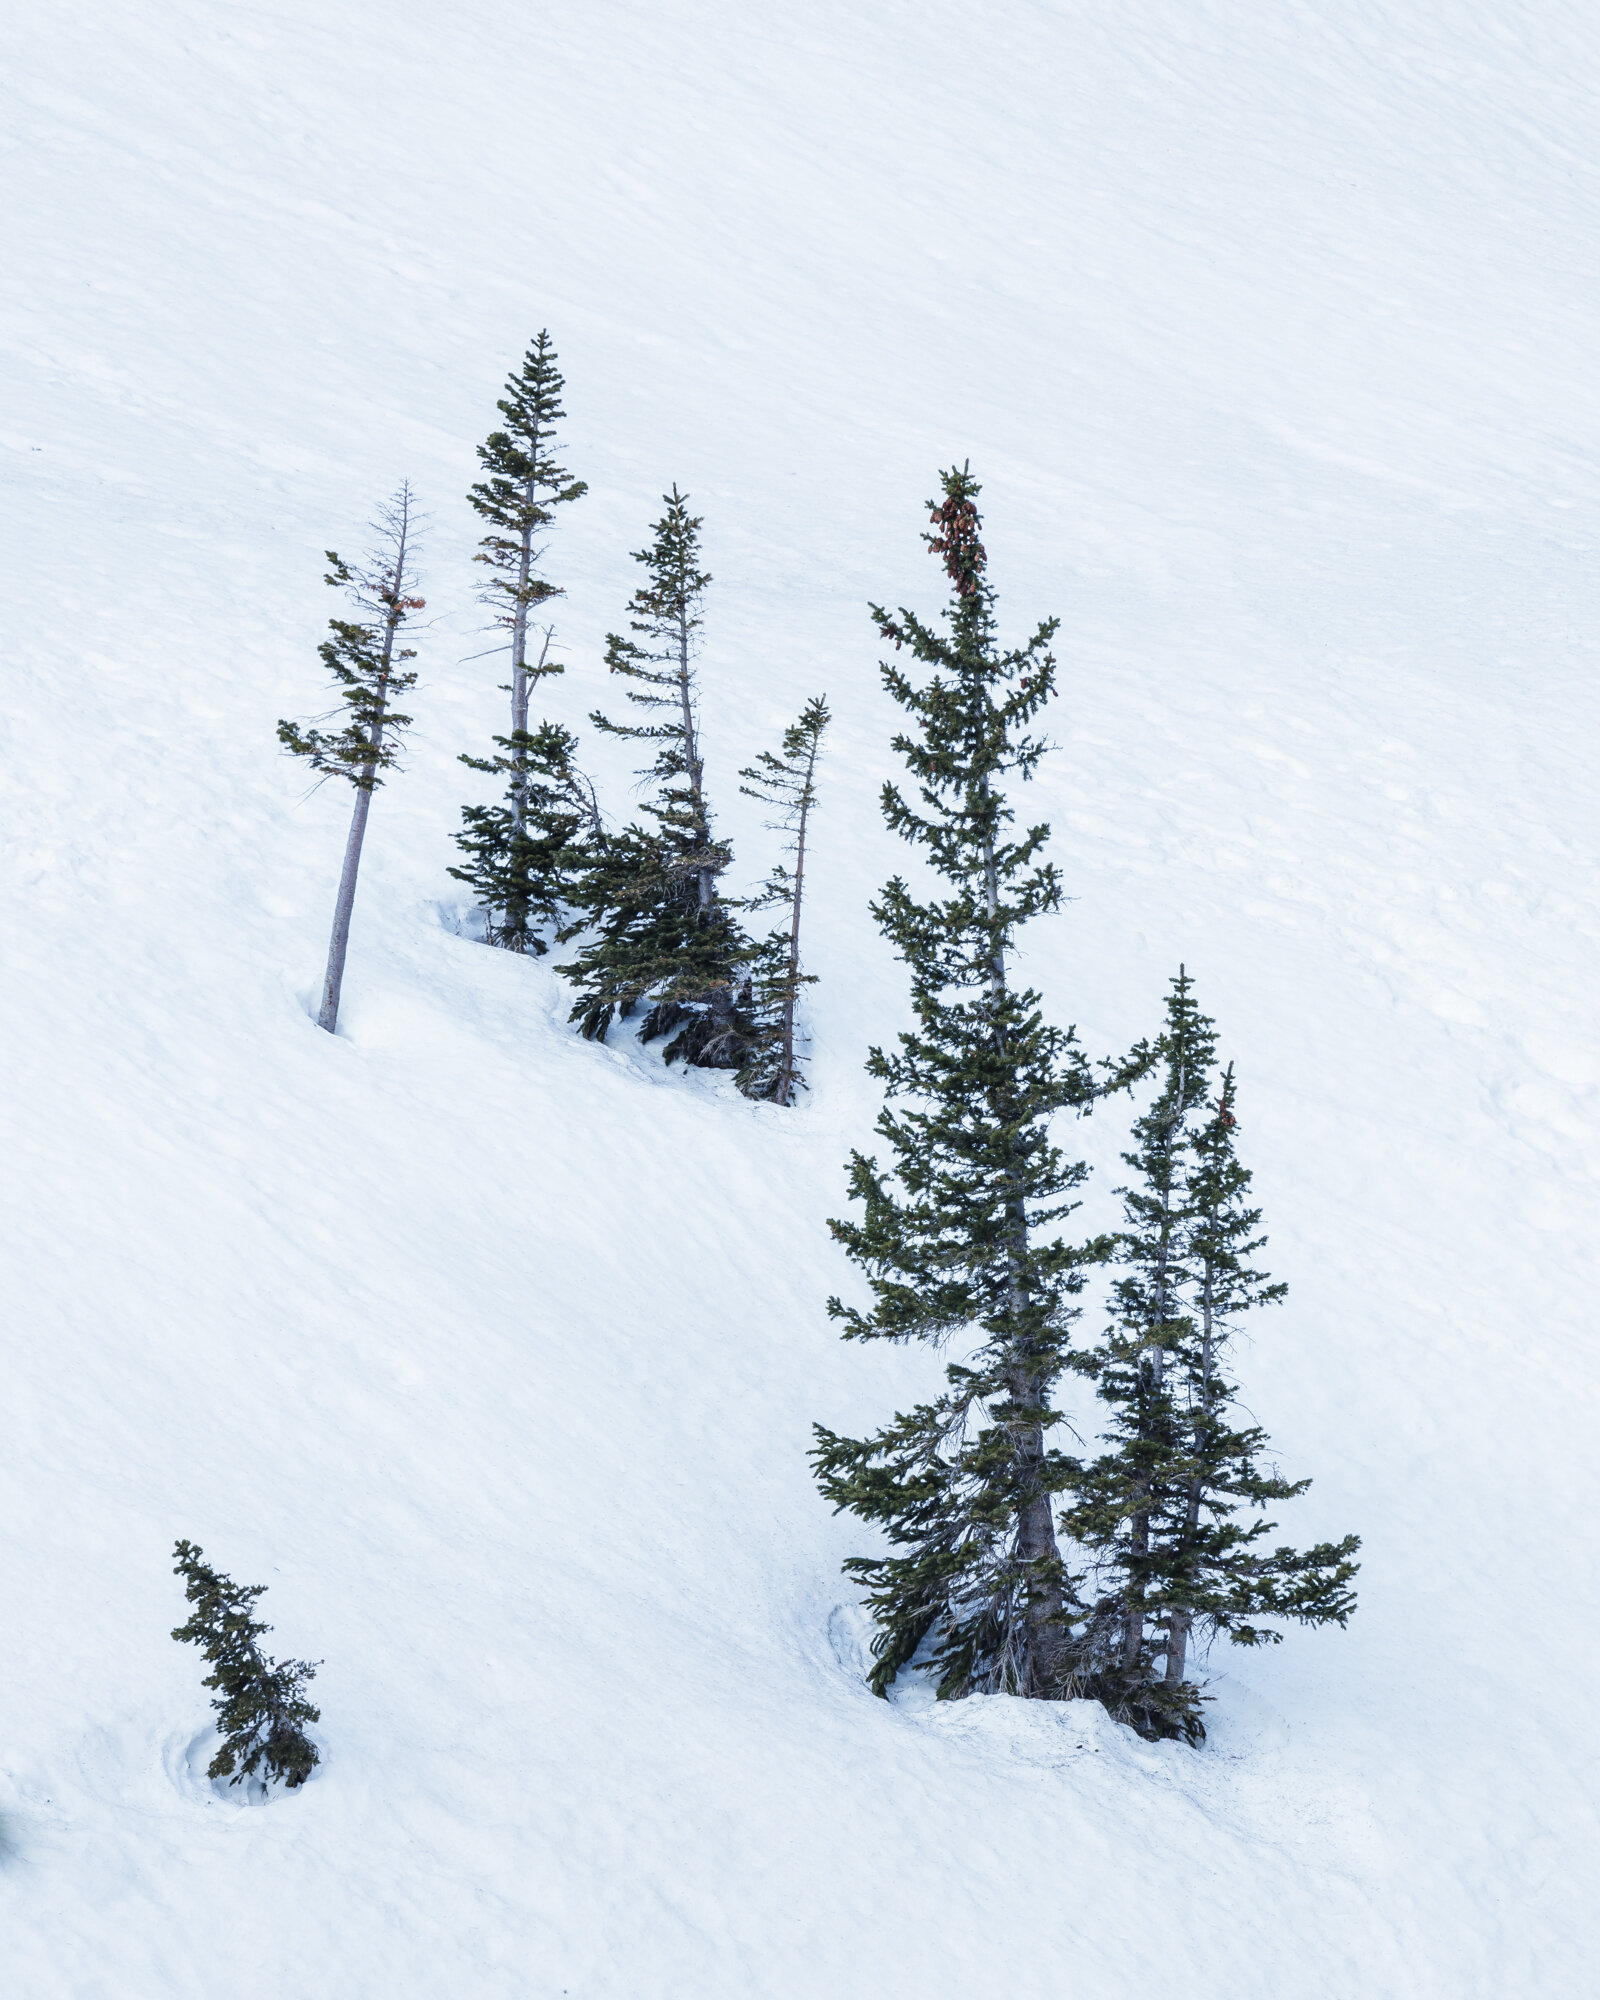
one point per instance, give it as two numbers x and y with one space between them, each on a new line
1008 1562
1014 1565
655 929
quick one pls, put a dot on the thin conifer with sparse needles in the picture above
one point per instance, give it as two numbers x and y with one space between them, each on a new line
365 658
785 780
662 935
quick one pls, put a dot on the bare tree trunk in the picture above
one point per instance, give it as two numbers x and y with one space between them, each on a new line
785 1089
339 942
1133 1616
516 923
691 758
1177 1646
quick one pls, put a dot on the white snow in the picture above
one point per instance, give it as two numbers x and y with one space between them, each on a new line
1270 331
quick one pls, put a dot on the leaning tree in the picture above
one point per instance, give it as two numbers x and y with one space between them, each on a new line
786 781
366 661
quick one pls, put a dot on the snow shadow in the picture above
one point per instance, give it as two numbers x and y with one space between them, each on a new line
187 1759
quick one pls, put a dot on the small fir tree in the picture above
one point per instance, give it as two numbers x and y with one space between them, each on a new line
526 855
366 660
957 1239
262 1712
661 931
771 1068
1165 1514
1231 1582
1121 1503
517 858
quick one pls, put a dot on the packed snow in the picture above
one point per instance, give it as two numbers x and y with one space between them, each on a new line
494 1353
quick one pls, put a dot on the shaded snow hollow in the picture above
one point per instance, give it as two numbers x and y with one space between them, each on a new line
494 1354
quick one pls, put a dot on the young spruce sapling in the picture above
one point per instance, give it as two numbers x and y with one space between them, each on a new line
262 1711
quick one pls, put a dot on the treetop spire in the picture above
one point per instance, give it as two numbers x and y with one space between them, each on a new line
956 525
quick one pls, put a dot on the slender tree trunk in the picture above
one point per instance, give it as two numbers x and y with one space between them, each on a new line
339 943
590 805
791 997
1037 1546
691 758
1177 1646
1133 1631
1133 1617
1036 1528
516 924
1183 1618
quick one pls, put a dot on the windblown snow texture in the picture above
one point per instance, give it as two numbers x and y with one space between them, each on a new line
494 1353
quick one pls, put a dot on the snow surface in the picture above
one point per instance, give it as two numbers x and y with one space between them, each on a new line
1271 332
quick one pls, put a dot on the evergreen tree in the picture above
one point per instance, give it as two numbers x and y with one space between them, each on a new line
787 781
662 932
262 1712
366 660
1165 1514
517 856
956 1239
526 855
1123 1502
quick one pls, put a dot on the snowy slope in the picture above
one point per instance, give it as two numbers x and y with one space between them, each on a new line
494 1354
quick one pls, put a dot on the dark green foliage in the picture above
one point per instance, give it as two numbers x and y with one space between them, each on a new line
262 1713
518 856
653 943
665 619
363 656
1166 1516
956 1239
787 781
523 486
661 934
1121 1501
524 864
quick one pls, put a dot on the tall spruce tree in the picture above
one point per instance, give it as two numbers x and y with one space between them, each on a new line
786 781
262 1711
662 932
520 856
1165 1515
956 1239
366 661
